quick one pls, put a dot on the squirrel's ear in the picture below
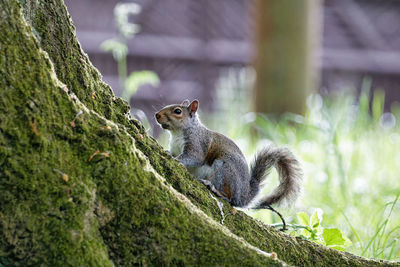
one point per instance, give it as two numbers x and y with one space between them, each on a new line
185 103
193 106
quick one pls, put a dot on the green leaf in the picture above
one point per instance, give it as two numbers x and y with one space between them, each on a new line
316 218
137 79
303 218
378 102
118 49
365 96
122 12
306 233
333 237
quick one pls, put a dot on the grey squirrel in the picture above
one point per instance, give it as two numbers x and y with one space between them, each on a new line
217 161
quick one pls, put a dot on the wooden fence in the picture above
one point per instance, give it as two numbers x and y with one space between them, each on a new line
188 43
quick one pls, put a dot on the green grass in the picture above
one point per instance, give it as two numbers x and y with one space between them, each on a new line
349 151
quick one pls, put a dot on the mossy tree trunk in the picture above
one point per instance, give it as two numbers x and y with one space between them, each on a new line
82 184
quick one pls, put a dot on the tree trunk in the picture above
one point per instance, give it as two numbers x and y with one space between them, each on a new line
287 42
82 184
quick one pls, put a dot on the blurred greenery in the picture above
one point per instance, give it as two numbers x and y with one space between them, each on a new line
119 49
311 228
349 151
126 30
137 79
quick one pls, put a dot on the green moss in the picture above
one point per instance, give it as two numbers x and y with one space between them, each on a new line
75 192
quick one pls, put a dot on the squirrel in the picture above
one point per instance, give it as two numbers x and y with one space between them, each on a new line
217 161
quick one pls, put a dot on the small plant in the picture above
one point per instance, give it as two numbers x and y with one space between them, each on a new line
311 228
119 49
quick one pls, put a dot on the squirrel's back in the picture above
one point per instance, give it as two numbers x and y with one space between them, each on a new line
222 146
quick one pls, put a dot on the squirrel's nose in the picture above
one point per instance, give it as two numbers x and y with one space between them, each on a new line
158 116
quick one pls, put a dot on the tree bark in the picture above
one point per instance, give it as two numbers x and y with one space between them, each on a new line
287 42
82 184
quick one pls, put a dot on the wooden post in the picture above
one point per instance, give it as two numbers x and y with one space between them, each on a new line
287 43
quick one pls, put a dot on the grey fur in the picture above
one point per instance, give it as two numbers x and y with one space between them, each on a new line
290 176
213 157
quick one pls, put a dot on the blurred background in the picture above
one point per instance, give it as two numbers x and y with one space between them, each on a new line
321 77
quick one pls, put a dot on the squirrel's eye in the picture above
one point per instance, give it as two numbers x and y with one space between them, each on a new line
178 111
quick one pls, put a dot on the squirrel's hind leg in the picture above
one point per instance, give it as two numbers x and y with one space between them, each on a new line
227 181
212 188
215 180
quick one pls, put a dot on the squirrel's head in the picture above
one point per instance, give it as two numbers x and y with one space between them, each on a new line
178 116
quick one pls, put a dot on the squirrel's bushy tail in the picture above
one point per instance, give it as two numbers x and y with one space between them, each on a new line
290 176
